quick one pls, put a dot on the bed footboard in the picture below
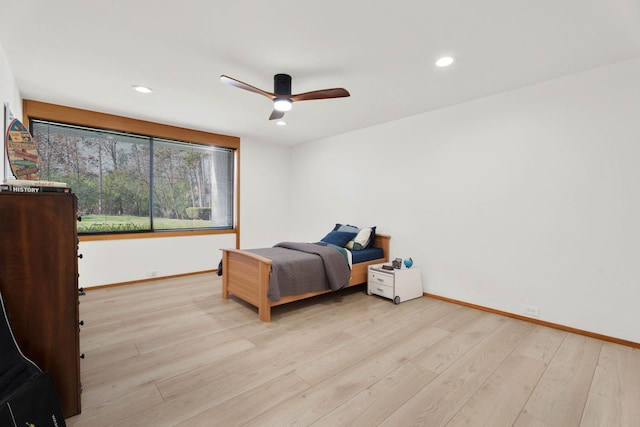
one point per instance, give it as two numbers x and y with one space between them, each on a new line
246 275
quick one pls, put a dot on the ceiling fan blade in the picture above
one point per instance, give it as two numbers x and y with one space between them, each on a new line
242 85
282 92
321 94
275 115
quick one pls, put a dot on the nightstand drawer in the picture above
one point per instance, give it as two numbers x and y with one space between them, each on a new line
380 279
379 289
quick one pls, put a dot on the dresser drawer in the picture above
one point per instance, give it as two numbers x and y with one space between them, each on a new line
379 289
380 278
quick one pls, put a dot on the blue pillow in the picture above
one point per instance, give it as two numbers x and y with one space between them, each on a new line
346 227
339 238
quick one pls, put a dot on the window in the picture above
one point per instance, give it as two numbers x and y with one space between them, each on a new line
134 183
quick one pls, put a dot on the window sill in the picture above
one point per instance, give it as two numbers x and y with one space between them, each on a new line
153 234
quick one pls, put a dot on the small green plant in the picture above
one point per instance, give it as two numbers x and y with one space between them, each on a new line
98 227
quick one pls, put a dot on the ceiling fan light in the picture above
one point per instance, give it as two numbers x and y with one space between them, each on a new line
282 104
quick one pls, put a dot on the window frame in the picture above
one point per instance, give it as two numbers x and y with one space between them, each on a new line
74 116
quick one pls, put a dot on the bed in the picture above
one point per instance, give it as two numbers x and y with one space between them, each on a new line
246 275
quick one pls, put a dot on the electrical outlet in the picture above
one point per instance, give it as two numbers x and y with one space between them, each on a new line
531 311
153 273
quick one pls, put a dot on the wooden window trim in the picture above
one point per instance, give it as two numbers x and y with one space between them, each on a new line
57 113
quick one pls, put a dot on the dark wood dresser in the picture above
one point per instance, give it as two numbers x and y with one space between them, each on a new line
39 282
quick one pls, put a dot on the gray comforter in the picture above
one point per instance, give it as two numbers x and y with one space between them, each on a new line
298 268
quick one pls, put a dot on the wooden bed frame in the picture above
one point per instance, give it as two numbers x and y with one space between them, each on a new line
246 276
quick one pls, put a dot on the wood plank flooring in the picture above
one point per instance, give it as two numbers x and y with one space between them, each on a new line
174 353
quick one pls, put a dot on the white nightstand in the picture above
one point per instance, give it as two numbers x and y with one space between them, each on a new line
398 285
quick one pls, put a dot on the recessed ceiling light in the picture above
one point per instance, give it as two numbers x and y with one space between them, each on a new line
142 89
445 61
281 123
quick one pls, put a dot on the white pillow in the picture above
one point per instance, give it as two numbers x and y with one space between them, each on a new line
360 241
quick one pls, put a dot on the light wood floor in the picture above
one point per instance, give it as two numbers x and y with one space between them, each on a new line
173 352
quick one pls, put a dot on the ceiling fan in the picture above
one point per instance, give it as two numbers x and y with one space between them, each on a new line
282 97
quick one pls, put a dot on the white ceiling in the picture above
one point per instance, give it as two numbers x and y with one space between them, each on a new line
89 53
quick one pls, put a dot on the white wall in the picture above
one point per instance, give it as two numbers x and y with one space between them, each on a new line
108 262
524 198
265 172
